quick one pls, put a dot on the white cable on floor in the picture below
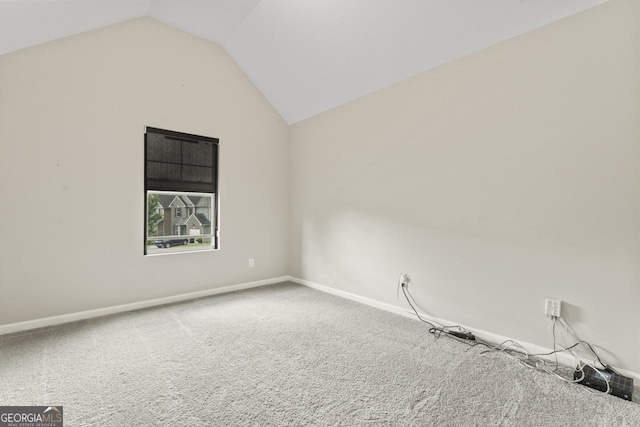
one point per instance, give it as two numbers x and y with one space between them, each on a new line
515 347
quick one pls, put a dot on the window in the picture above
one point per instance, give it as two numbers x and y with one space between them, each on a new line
181 175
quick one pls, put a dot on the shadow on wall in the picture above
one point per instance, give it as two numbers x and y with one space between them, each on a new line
492 285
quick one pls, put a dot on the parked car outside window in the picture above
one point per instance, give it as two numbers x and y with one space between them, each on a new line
169 243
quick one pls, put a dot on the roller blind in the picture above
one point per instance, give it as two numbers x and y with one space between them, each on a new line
176 161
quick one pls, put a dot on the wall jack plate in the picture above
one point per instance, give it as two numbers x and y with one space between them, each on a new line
552 307
405 278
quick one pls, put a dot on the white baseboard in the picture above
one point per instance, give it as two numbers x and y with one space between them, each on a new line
72 317
489 337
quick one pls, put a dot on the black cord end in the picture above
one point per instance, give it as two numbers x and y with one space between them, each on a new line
464 335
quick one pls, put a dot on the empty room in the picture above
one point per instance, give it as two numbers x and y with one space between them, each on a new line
319 213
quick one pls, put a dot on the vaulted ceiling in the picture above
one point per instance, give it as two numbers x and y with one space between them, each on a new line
306 56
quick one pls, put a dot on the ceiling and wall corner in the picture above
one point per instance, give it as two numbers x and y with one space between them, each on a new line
504 240
307 56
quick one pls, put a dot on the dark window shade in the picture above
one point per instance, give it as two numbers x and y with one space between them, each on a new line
177 161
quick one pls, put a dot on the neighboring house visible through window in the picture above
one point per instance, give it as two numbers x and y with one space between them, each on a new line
181 172
198 222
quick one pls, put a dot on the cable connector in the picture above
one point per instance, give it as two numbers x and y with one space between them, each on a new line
405 279
463 335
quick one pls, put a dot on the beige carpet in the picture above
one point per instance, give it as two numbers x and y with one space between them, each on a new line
282 355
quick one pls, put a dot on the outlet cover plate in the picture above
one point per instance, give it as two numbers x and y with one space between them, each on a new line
552 307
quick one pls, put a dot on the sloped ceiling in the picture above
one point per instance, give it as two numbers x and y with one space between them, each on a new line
306 56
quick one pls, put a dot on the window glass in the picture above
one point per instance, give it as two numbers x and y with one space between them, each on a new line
169 233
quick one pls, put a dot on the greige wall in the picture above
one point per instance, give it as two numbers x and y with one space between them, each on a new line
72 117
495 181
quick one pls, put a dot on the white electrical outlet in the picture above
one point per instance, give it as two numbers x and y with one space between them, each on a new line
552 307
251 263
405 278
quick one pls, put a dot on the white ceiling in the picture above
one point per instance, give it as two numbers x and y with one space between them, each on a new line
306 56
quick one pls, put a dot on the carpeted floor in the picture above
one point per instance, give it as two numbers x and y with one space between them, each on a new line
282 355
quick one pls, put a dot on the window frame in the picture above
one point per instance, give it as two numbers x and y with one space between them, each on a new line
215 195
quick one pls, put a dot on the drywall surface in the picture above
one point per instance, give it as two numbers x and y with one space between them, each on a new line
495 181
72 118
